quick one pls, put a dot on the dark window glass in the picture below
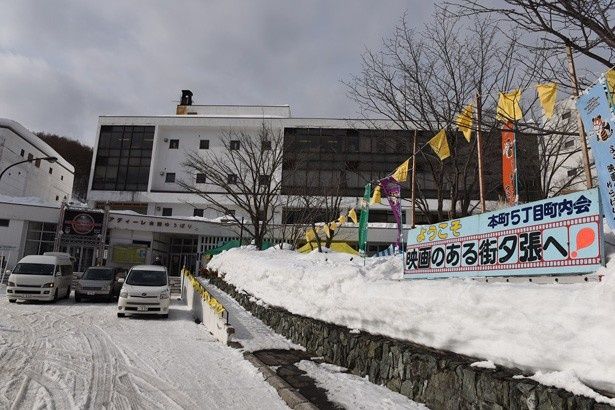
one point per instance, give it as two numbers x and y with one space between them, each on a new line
167 211
51 170
234 145
146 278
204 144
264 180
22 153
200 178
123 158
38 163
30 157
569 144
98 274
198 212
266 145
61 177
170 177
231 179
173 144
34 269
4 222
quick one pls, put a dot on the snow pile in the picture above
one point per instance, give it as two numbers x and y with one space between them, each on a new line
569 381
533 327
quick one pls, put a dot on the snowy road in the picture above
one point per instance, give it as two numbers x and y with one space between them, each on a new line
68 355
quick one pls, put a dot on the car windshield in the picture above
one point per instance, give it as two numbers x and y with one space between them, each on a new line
147 278
98 274
34 269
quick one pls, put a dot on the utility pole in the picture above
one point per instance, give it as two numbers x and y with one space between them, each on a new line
575 88
479 151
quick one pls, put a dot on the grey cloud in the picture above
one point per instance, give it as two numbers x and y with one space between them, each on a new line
66 62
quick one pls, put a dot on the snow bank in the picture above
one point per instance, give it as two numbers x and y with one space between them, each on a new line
535 327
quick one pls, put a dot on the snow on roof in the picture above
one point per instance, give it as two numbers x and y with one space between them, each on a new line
27 200
36 141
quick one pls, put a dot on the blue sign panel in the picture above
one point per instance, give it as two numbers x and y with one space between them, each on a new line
599 124
555 236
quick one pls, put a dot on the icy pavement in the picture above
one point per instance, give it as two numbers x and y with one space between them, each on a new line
68 355
342 389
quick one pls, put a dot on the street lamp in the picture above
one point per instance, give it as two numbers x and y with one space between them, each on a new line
48 159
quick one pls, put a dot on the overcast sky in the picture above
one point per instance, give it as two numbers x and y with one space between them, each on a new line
65 62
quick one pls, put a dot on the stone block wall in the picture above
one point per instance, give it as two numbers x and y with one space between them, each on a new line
440 379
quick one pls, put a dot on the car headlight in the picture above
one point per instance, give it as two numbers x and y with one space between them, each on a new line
11 283
48 285
164 295
123 294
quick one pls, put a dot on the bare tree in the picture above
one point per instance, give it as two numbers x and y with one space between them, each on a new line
244 176
586 26
422 80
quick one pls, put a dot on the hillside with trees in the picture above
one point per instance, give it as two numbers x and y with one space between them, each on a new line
76 153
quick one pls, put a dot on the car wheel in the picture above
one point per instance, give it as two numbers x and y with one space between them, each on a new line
55 295
120 314
67 293
77 297
165 316
12 300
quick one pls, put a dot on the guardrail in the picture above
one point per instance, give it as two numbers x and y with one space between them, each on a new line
206 308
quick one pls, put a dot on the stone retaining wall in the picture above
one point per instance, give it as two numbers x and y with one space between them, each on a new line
440 379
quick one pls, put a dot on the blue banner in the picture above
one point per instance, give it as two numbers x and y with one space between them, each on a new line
555 236
598 121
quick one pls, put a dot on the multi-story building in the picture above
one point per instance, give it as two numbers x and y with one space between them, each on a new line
35 177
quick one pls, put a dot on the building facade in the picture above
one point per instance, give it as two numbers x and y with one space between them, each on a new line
49 181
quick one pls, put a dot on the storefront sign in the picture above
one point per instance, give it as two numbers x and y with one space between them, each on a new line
555 236
82 223
129 254
599 124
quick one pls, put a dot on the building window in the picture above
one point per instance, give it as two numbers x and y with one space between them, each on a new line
566 114
266 145
4 222
170 177
37 163
61 177
123 158
569 143
50 171
230 212
57 198
231 178
573 172
234 146
167 211
200 178
264 179
22 153
173 144
30 157
198 212
40 238
204 144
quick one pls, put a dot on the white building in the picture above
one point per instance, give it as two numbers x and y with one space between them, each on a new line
49 181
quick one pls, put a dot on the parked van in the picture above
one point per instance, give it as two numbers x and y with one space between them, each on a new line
145 291
41 277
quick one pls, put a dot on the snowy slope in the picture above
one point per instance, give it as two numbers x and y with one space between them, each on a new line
535 327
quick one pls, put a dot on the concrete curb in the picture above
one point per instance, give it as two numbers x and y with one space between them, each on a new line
290 395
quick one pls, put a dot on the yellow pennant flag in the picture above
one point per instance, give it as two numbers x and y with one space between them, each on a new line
377 196
352 214
326 230
401 173
547 94
439 145
342 219
333 226
610 83
464 121
508 106
310 235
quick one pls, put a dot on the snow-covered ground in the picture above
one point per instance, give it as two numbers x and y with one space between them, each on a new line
68 355
539 328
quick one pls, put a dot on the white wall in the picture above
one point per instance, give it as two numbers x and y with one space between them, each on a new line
28 180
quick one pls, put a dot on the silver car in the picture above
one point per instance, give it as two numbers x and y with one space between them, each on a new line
98 282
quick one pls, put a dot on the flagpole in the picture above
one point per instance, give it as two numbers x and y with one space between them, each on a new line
413 189
573 77
479 150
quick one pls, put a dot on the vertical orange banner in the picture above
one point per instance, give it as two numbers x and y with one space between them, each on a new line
509 163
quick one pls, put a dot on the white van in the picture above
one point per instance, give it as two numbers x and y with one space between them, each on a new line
41 277
145 291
